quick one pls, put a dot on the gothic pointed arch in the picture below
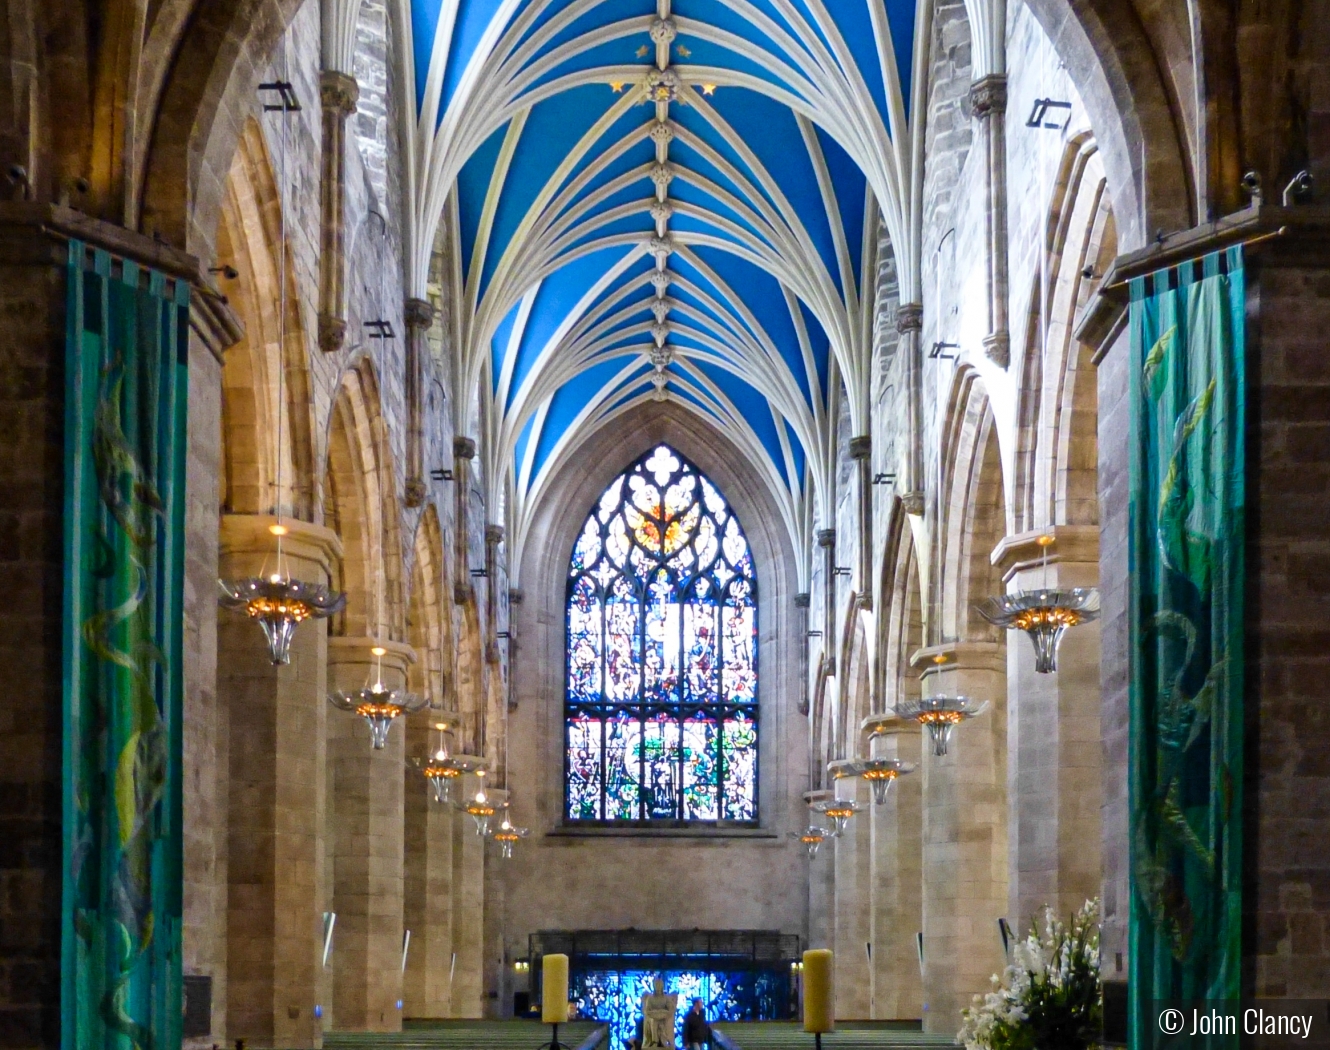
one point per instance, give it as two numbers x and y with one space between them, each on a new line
267 408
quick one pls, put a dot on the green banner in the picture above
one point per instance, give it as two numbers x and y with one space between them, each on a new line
1186 639
126 392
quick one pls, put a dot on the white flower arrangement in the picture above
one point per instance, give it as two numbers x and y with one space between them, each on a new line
1049 996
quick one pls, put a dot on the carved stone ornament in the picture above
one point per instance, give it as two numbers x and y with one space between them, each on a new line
662 132
663 31
660 309
661 248
660 281
660 332
661 85
662 175
909 317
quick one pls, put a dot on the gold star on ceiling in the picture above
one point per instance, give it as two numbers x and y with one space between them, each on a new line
616 86
643 51
708 89
683 51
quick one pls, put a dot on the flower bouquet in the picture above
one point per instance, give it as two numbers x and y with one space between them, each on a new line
1049 997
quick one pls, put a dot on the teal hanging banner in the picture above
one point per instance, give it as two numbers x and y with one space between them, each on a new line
1186 621
126 393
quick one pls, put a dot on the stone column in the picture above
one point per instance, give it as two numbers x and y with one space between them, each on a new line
852 858
988 100
338 93
964 833
493 537
419 315
861 451
275 881
1054 762
826 539
801 603
468 984
897 881
909 322
464 451
368 851
34 250
428 884
821 881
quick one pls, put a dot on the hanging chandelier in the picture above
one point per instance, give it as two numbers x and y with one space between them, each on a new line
278 601
480 807
880 773
812 837
377 704
439 768
838 811
940 715
507 836
1044 614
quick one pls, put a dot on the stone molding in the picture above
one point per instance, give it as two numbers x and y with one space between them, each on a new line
37 234
345 654
888 724
418 313
1077 544
988 95
913 502
338 92
959 656
248 534
997 348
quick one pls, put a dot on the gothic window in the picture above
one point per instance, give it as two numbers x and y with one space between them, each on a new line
661 703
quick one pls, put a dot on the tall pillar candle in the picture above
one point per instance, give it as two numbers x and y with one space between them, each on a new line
554 989
819 1001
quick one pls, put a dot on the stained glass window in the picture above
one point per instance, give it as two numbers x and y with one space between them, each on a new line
615 996
661 708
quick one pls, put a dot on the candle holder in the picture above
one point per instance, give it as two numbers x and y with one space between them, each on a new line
554 1043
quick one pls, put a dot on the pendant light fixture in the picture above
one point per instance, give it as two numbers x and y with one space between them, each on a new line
480 807
838 810
880 773
812 838
438 766
277 600
508 836
377 704
1043 614
940 715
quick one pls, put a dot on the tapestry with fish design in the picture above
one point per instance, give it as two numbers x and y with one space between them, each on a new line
1188 400
126 390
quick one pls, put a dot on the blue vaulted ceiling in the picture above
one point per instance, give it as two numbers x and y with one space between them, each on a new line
662 199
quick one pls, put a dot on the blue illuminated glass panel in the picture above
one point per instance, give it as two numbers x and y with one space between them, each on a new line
661 704
614 997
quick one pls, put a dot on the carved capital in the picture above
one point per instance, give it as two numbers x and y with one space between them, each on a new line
802 600
998 348
861 447
464 448
332 333
515 596
988 95
493 535
462 593
418 313
414 494
864 601
826 537
913 502
338 92
909 317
